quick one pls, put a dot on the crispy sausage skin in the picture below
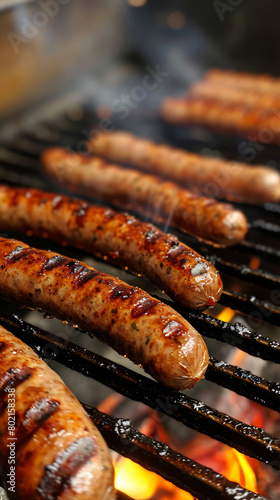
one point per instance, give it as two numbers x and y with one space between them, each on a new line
230 180
248 81
117 237
128 319
59 453
255 124
205 218
234 94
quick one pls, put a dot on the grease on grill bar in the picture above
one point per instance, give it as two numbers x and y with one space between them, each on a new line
247 439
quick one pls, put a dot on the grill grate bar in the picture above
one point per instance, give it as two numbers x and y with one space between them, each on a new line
188 475
272 207
264 225
13 158
247 439
262 250
244 383
236 335
243 272
259 310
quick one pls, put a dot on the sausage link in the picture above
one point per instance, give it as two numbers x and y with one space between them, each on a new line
56 450
255 124
249 81
117 237
234 94
202 217
230 180
136 325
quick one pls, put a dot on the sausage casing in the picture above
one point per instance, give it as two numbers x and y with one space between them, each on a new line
249 81
255 124
136 325
205 218
220 178
45 434
234 94
139 247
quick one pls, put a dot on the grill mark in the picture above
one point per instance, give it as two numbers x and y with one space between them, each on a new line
3 346
199 268
122 291
59 473
34 417
83 274
53 262
86 276
145 305
173 329
152 236
57 202
81 210
73 265
175 251
18 253
14 377
80 213
109 214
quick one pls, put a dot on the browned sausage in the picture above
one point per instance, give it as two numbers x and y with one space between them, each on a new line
50 449
255 124
202 217
249 81
234 94
118 237
128 319
230 180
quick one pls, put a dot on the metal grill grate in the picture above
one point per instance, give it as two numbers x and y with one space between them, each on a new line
20 165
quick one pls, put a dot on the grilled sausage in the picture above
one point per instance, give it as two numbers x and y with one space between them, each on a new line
231 180
128 319
202 217
257 125
234 94
118 237
47 441
249 81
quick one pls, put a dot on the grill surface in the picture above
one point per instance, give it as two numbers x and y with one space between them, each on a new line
254 293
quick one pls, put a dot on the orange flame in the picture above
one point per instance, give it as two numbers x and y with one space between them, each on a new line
141 484
226 314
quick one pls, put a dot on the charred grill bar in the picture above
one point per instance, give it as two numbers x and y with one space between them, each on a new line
19 165
158 457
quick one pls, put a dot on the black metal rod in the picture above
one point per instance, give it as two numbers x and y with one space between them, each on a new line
265 251
250 440
259 310
188 475
245 383
243 272
266 226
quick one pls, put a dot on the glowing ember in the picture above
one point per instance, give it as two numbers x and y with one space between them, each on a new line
255 262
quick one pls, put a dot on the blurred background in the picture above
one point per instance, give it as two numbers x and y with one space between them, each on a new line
101 47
